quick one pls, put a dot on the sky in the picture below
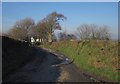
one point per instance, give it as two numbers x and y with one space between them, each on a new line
77 13
60 0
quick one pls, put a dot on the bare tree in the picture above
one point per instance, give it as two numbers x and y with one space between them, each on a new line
93 30
52 22
40 30
86 32
22 27
18 33
104 33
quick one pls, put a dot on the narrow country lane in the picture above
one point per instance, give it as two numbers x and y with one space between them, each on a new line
43 71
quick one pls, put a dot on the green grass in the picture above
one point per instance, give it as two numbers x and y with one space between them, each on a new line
90 56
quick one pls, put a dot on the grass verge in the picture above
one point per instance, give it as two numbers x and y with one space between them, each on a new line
97 57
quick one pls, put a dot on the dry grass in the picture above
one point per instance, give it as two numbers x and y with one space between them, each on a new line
99 57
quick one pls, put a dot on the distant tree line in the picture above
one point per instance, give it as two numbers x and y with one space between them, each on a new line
65 36
44 29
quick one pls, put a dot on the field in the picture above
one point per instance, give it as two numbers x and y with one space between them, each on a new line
96 57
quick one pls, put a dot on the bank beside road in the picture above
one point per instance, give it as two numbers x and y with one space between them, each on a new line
15 54
92 56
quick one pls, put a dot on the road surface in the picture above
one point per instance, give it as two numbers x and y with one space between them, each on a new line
44 70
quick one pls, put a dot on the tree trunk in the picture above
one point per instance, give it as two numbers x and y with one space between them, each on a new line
50 38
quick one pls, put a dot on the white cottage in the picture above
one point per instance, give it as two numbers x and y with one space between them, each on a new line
32 40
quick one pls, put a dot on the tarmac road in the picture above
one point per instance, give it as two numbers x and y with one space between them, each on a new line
45 71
